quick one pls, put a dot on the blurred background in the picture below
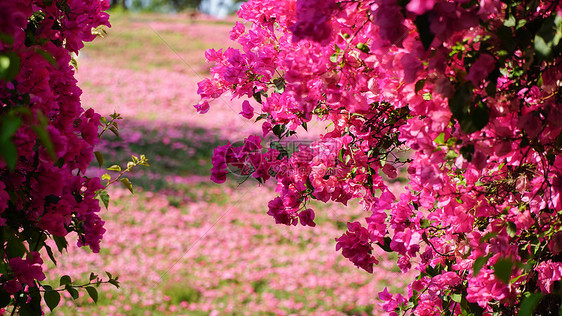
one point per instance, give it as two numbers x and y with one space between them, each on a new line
216 8
182 245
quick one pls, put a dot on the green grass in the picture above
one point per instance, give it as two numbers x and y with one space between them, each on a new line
131 38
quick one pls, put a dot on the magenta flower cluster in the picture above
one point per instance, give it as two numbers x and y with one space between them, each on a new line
459 99
47 136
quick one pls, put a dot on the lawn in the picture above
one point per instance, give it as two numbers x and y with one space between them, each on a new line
181 244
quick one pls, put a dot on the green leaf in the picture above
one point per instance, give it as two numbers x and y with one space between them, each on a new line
64 280
15 248
419 85
502 269
257 96
48 57
33 305
115 168
363 47
479 264
61 243
93 293
127 183
334 58
43 135
279 129
6 38
456 297
5 298
93 276
9 153
73 292
529 304
114 130
74 62
114 282
426 36
476 119
386 246
548 37
10 64
105 177
103 196
461 101
510 21
50 253
10 125
279 85
99 158
440 140
511 229
52 298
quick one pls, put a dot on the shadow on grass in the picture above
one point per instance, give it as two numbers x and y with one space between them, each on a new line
178 155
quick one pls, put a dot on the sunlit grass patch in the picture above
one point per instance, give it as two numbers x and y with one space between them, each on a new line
146 41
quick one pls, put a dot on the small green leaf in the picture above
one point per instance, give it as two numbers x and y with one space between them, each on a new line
456 297
10 125
386 245
64 280
9 153
334 58
279 85
419 85
127 183
115 168
93 276
61 243
99 158
103 196
426 35
73 292
363 47
48 57
44 137
52 298
511 229
502 269
279 129
440 140
74 62
529 304
15 248
50 253
114 282
114 130
93 293
10 64
106 177
479 264
5 298
6 38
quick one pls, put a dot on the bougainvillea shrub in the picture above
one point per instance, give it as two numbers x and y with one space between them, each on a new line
46 143
471 89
